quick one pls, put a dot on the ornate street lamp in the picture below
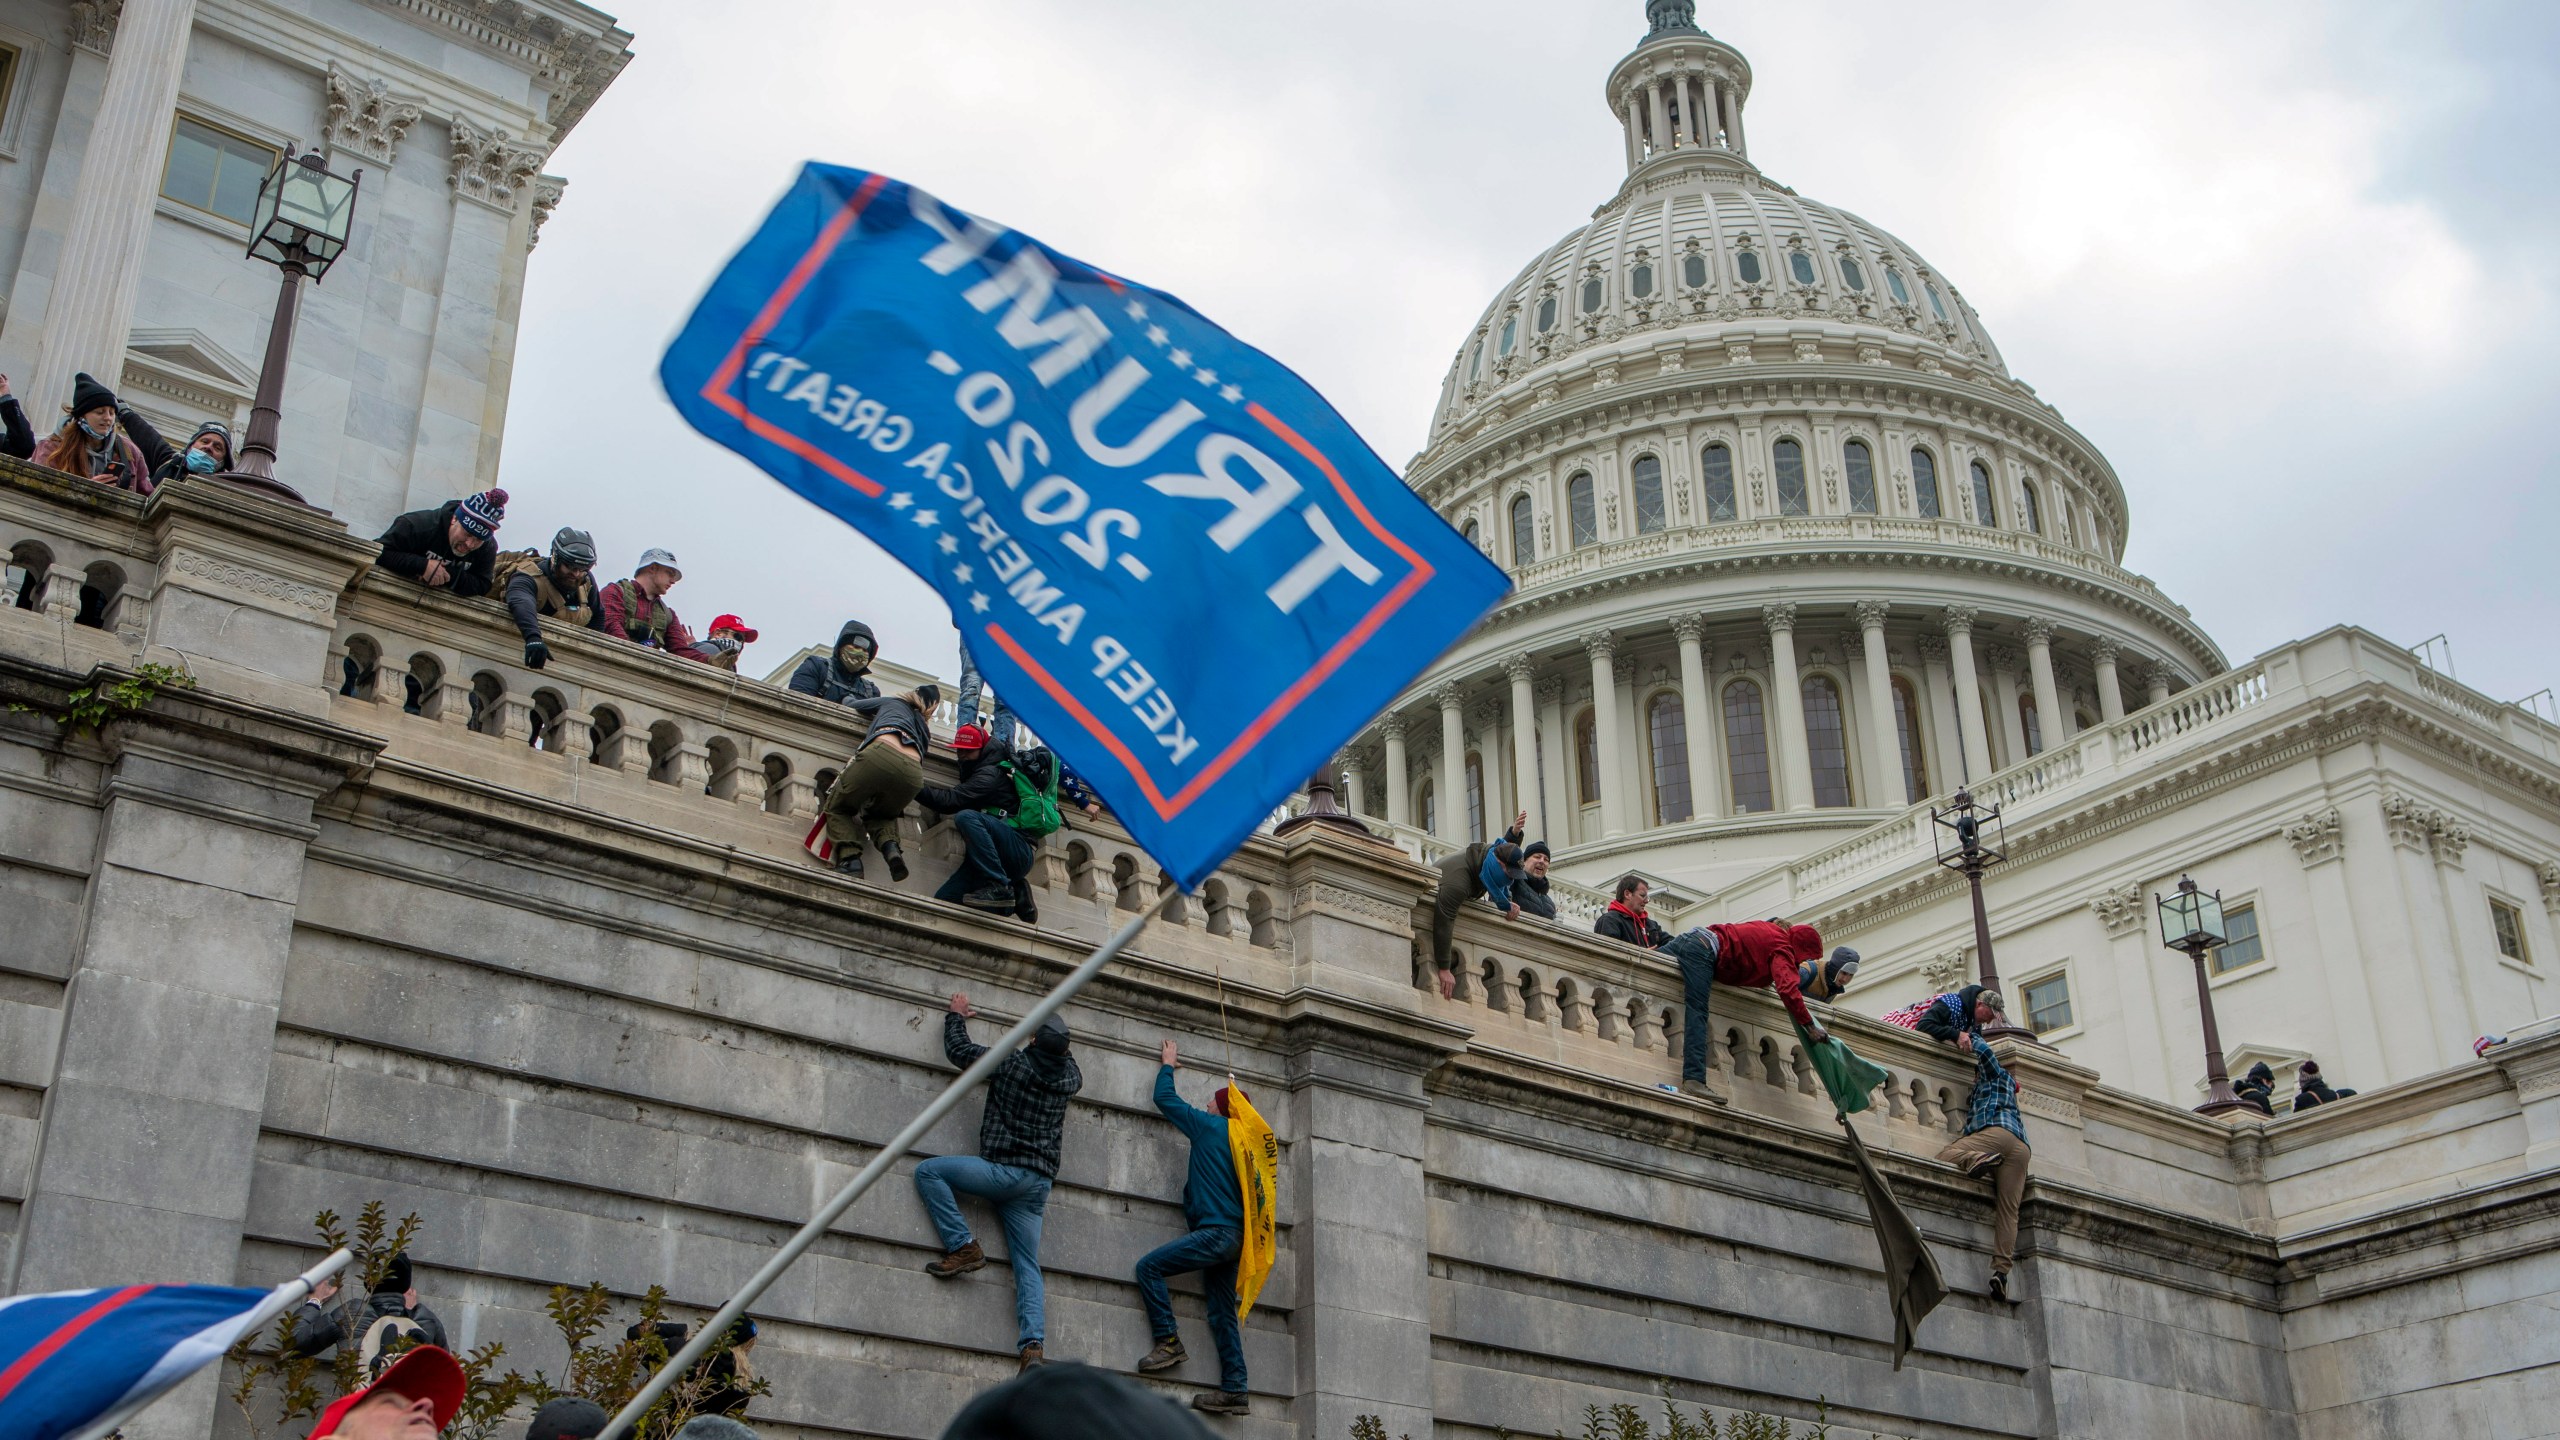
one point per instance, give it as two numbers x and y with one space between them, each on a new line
1970 840
304 215
2191 920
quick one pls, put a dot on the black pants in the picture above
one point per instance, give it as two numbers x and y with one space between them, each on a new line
1457 887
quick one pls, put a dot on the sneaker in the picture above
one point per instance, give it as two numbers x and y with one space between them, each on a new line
1033 1355
1706 1090
1167 1354
1222 1402
996 901
1025 911
1998 1290
849 862
959 1262
897 860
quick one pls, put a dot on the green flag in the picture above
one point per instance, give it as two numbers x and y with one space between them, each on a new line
1912 1285
1850 1080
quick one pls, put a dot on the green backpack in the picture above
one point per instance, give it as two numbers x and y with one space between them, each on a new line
1035 811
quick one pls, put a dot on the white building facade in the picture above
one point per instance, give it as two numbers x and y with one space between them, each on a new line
1796 553
133 135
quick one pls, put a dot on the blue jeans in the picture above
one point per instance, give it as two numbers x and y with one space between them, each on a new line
1697 983
1019 1196
1213 1253
998 858
999 724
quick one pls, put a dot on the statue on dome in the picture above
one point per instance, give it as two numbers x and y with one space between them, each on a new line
1670 15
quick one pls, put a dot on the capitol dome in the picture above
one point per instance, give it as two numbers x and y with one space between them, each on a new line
1793 549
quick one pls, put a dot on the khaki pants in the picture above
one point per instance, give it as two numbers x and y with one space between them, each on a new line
868 798
2007 1154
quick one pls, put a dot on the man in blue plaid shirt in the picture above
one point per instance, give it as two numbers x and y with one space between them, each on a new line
1994 1142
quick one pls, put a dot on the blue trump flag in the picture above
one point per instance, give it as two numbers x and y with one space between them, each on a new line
72 1358
1177 563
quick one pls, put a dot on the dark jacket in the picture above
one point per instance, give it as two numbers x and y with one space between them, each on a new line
821 676
1617 923
892 715
2316 1092
1211 1194
421 534
123 466
1026 1100
1532 897
2258 1088
530 595
982 785
17 438
168 462
1950 1015
316 1329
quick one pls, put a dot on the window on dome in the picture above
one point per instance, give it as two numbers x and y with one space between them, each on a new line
1861 465
1983 514
1593 292
1924 484
1934 302
1801 266
1524 533
1893 282
1716 463
1850 272
1473 535
1827 736
1640 283
1475 793
1586 758
1747 265
1510 333
1649 514
2029 514
1693 271
1425 810
1586 515
1906 725
1546 314
2030 725
1746 748
1668 729
1790 464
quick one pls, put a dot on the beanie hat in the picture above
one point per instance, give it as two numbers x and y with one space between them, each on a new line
424 1373
573 546
968 739
1051 1037
481 513
715 1427
396 1275
214 427
567 1418
87 394
1073 1402
1534 847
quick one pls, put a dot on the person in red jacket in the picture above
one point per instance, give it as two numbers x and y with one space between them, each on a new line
1756 954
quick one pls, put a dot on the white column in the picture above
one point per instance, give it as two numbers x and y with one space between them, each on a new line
1552 761
1453 768
2050 717
1795 757
1604 725
1693 107
2110 689
1524 743
1355 788
1733 123
1633 783
1937 692
1884 741
1706 764
1977 740
1635 137
2002 662
1399 781
2159 686
89 308
1661 120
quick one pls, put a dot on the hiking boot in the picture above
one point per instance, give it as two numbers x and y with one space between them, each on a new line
1025 911
897 861
1708 1090
1167 1354
959 1262
1032 1355
996 901
1222 1402
849 862
1998 1290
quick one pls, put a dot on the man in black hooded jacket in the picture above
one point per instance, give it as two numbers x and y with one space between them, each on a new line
840 677
317 1327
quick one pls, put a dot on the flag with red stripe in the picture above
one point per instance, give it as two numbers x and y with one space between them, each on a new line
72 1357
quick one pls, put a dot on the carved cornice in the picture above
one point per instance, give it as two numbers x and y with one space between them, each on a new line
547 190
490 167
311 600
93 25
365 118
1945 971
1870 614
1520 669
2103 652
2120 908
574 66
1778 618
2039 630
1597 644
2549 875
2424 828
1689 626
2316 837
1391 729
1933 650
1959 619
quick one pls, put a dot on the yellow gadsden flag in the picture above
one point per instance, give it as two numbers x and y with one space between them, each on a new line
1257 1156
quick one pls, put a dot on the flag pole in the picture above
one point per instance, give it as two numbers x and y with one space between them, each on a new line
279 1300
628 1422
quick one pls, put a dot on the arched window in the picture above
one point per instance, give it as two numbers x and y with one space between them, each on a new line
1983 514
1472 534
2029 725
1827 735
1906 725
1593 293
1586 514
1640 280
1924 483
1649 516
1800 265
2029 513
1668 727
1693 270
1586 759
1546 313
1426 808
1716 463
1850 271
1510 333
1792 499
1934 302
1747 265
1893 282
1746 747
1475 793
1861 465
1524 533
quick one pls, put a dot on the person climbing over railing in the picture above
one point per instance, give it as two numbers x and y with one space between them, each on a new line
1532 894
562 587
447 548
872 791
1755 954
1486 869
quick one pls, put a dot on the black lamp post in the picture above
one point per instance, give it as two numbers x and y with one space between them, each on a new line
304 215
2191 920
1970 840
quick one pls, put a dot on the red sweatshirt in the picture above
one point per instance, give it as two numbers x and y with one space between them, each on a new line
1760 955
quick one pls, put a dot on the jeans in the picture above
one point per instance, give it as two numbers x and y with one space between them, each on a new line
998 858
1019 1196
1213 1253
1697 983
999 724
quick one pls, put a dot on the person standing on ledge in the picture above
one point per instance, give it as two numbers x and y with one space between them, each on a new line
1994 1145
1017 1159
1487 868
1627 920
1213 1206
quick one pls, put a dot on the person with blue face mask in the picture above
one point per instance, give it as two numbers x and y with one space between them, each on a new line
208 450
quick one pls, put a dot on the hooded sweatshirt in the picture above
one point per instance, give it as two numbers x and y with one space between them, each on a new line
826 678
1761 954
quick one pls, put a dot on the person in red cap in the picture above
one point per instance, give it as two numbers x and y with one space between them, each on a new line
414 1400
1756 954
729 635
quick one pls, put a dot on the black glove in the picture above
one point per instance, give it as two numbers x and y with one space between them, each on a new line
536 654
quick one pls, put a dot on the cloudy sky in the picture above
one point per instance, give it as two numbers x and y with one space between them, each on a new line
2289 265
